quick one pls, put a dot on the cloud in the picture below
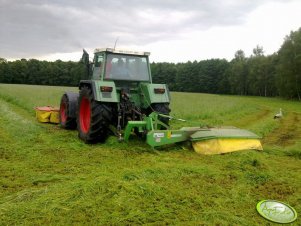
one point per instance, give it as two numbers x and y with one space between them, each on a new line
35 28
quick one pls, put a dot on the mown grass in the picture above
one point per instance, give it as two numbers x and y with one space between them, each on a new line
48 176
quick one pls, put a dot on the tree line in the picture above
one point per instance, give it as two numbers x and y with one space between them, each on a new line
58 73
278 74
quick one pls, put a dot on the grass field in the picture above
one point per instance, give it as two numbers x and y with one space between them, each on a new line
48 176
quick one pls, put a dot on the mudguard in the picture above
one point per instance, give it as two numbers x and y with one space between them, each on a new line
106 95
73 102
150 96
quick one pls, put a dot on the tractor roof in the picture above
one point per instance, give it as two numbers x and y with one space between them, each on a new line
111 50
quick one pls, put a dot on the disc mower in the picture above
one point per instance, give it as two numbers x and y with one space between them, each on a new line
120 97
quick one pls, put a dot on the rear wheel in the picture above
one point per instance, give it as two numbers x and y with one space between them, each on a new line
66 121
93 118
162 108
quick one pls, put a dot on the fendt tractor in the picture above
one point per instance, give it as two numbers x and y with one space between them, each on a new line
120 97
120 90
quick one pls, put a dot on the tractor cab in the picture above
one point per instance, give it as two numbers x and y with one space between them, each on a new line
120 65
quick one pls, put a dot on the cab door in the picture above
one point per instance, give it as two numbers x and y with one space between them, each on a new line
98 66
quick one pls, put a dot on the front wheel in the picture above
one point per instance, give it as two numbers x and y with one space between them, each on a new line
68 111
93 118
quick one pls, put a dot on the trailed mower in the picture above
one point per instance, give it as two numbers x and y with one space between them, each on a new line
121 98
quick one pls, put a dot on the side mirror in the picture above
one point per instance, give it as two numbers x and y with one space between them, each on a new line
85 57
86 62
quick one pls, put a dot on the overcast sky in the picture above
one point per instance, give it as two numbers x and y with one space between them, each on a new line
172 30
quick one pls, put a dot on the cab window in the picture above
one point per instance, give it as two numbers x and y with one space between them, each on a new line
98 66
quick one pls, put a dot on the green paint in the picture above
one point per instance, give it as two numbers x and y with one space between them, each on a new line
149 96
141 125
138 83
229 133
105 96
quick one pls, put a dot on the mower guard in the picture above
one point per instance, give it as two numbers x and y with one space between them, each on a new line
224 140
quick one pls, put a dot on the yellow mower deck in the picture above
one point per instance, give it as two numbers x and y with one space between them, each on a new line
224 140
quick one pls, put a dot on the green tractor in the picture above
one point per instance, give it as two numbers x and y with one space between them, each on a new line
120 97
119 90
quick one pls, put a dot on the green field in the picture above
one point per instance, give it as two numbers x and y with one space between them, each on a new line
49 176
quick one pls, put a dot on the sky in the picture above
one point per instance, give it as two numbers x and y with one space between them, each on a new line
172 30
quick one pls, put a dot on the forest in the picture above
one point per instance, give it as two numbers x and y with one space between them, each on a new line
278 74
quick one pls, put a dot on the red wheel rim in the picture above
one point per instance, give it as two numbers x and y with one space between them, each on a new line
63 112
84 115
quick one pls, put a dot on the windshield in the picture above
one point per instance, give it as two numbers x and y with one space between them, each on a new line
126 67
